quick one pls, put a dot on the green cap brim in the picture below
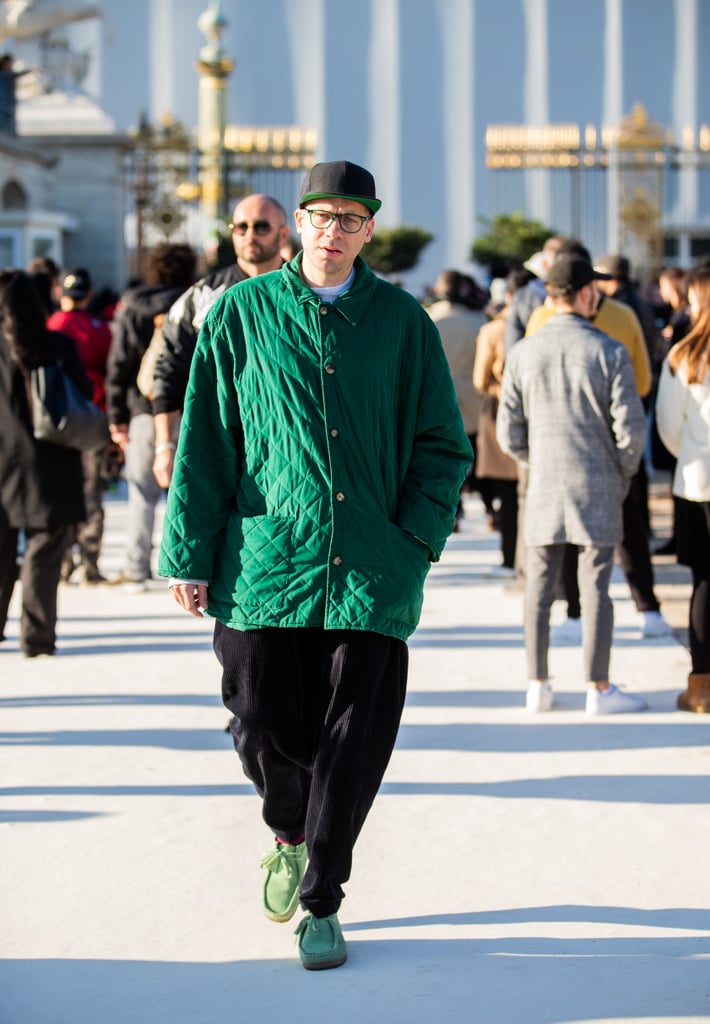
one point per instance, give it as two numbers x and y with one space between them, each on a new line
372 204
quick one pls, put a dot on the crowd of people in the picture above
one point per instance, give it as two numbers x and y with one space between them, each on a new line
315 427
100 339
567 506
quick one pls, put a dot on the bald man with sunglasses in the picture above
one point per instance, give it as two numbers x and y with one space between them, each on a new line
259 230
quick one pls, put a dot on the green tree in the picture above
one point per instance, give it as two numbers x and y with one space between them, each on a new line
509 241
392 250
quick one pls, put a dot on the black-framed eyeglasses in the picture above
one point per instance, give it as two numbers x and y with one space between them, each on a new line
259 227
350 223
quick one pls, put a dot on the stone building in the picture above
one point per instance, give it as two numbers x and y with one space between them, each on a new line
62 163
86 182
413 88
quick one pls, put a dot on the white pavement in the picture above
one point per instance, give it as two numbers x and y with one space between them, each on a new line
515 869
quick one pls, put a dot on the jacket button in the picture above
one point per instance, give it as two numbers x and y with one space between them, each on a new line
323 311
334 432
340 496
337 560
329 368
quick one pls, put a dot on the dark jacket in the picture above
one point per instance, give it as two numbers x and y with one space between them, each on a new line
180 330
132 330
627 294
41 485
525 300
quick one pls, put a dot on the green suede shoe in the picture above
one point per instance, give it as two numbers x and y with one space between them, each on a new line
285 866
320 942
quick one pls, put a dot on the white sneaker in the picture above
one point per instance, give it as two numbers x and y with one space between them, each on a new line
612 701
568 632
503 572
134 587
654 624
539 697
128 585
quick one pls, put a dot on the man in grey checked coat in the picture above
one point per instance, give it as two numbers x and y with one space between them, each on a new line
571 412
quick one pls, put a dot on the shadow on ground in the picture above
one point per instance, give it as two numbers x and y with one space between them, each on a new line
496 980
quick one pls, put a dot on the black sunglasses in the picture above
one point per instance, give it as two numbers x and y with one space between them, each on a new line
259 227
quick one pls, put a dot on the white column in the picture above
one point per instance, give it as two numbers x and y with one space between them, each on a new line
457 27
87 37
161 19
536 102
685 258
613 104
309 56
613 112
685 104
384 153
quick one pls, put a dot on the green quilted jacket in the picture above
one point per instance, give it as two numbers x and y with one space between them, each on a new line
320 457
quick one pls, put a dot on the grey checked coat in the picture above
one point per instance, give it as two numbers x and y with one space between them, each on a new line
571 411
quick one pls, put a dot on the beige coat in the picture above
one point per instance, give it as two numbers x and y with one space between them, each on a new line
459 327
487 375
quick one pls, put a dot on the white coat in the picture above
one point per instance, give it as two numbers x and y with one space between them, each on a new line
683 420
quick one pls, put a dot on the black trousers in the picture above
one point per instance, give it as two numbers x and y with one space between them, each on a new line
570 584
315 719
694 551
634 550
89 534
9 571
474 482
699 621
39 575
507 492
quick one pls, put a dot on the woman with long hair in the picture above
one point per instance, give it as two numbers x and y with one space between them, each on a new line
41 487
683 417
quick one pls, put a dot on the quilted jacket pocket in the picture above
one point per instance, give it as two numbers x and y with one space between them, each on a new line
265 545
407 566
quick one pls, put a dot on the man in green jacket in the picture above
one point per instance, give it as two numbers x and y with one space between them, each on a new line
316 480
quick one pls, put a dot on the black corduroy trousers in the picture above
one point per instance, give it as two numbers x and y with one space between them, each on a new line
315 719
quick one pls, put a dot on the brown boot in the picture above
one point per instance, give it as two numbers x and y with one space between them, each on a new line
697 696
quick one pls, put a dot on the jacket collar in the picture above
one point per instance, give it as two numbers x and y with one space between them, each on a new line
351 305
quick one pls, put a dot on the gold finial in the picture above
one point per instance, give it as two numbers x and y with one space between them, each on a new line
637 131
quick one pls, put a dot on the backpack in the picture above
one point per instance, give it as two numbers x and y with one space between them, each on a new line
146 370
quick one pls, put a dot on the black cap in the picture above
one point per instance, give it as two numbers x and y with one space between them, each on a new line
617 266
572 273
340 180
76 283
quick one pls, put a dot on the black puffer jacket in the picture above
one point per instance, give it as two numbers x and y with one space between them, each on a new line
132 330
41 484
180 331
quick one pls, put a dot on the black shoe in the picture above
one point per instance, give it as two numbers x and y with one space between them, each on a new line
669 548
493 521
92 578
